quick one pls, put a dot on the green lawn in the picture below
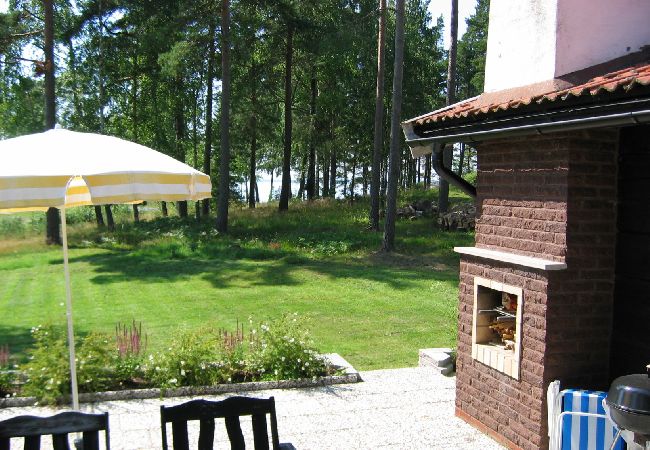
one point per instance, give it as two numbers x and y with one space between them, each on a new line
319 261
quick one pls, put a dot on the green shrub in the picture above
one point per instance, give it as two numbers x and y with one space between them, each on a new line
99 365
7 378
12 226
129 372
80 215
278 350
47 371
97 358
192 359
283 349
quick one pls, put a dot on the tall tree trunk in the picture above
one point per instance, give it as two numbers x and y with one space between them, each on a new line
311 169
461 158
443 196
427 171
195 143
301 188
326 175
253 162
354 176
317 181
395 134
110 222
384 181
364 179
285 193
99 217
271 190
345 179
332 190
207 151
224 155
379 119
179 128
53 228
414 169
253 131
134 120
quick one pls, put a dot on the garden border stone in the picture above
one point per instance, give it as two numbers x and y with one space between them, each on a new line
350 375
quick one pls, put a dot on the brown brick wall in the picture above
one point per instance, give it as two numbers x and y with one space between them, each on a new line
552 198
522 191
581 298
514 409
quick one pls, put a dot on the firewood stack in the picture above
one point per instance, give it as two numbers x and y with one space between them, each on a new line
461 217
505 325
417 209
506 332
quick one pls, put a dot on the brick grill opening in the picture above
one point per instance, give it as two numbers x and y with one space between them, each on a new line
496 321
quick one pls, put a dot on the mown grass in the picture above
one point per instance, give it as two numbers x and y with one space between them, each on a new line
318 260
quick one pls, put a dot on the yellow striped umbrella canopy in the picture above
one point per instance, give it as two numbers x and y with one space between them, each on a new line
64 168
61 168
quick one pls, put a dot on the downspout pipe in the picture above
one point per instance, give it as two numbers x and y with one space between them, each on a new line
446 174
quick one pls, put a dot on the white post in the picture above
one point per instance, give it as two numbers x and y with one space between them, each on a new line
68 295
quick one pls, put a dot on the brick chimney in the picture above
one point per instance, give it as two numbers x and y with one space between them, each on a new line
535 41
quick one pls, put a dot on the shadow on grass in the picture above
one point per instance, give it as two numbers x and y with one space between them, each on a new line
18 339
259 267
266 248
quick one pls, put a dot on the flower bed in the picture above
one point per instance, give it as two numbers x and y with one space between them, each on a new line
199 360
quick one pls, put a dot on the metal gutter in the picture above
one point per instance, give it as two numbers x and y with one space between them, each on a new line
421 145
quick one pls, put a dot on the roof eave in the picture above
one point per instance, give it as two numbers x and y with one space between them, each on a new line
569 119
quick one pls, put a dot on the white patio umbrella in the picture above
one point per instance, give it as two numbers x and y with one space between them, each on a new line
61 168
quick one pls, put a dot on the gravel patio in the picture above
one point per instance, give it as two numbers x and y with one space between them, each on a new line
410 408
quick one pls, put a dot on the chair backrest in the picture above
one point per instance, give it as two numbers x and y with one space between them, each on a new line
230 409
59 426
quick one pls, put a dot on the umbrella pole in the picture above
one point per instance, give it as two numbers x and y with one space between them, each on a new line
68 304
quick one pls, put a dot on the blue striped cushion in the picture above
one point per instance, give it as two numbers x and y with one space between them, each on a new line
586 433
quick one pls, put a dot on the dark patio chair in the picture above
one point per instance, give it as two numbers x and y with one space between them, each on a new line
59 426
230 409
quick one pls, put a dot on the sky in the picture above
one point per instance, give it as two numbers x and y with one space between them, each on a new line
465 9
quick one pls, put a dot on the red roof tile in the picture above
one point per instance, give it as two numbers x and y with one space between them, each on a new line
619 81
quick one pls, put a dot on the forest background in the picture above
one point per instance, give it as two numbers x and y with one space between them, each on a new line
151 72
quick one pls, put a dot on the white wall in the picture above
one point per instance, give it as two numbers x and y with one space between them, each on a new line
591 32
521 43
531 41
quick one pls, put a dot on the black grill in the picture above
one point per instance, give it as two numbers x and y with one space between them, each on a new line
629 403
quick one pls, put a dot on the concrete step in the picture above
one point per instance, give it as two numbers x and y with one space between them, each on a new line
438 358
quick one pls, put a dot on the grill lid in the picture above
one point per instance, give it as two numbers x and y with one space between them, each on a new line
631 393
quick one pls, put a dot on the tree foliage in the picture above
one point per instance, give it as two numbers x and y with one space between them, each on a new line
151 72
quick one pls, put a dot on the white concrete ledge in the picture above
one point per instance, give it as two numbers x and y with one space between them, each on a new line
526 261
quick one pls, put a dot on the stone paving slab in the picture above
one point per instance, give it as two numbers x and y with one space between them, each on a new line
409 408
